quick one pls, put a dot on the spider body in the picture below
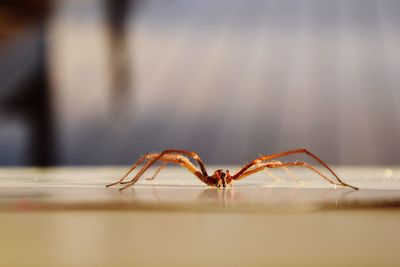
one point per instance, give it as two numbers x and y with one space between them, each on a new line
222 178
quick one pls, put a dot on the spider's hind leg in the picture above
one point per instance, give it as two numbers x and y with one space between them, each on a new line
166 158
154 175
138 162
158 171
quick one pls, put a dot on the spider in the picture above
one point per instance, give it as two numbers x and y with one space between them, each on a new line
222 178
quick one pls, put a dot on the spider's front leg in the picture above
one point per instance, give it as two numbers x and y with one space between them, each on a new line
312 168
273 165
243 172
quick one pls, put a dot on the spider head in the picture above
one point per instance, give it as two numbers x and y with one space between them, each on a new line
222 178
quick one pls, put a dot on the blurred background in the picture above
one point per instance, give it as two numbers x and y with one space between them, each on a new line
95 82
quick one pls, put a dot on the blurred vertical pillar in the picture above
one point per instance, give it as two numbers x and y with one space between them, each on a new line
117 12
30 99
41 116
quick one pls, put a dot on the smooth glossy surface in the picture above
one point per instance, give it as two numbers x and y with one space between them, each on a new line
175 188
66 217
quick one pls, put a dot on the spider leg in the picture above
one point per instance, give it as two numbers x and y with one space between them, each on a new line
276 178
291 174
140 160
298 164
148 156
260 167
158 170
255 170
178 159
154 175
309 166
155 156
282 154
191 154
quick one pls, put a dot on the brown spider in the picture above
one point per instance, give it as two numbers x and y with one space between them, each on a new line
221 178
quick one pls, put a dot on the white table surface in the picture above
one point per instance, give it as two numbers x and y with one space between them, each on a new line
66 217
